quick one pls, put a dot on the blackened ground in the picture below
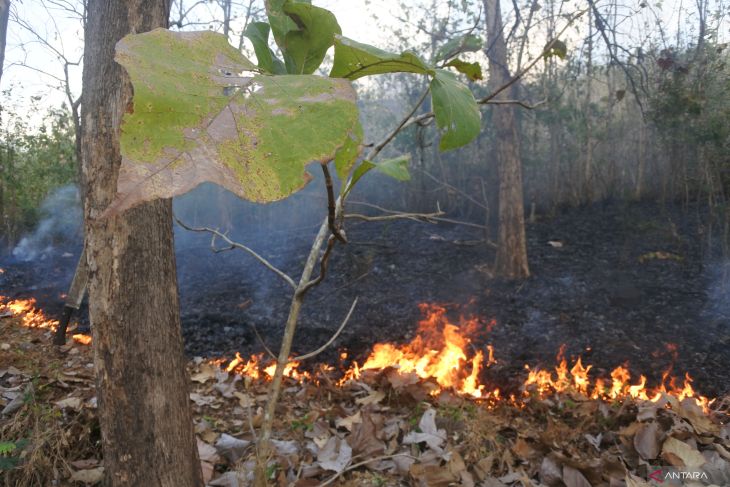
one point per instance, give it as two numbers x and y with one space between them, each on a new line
596 293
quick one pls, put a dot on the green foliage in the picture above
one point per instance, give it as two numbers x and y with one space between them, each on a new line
556 47
10 453
32 163
473 71
354 60
457 113
258 34
396 168
457 45
201 113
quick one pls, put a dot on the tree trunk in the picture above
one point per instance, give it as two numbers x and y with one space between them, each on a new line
511 260
4 16
146 424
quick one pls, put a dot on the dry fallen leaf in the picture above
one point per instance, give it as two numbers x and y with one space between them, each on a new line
680 454
231 448
646 441
348 422
70 403
429 434
90 476
574 478
336 455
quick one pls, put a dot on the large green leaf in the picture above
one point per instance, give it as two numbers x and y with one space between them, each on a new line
354 60
280 22
457 45
258 34
306 47
303 32
396 168
456 111
201 114
347 154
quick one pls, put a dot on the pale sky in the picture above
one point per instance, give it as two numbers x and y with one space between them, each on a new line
63 32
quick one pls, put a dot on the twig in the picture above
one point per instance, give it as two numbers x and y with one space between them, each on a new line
332 339
237 245
263 343
331 207
454 188
361 464
304 288
487 100
388 138
420 217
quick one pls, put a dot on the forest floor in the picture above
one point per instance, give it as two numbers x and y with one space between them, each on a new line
616 284
619 284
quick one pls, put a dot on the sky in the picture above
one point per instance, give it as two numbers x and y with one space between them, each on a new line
34 73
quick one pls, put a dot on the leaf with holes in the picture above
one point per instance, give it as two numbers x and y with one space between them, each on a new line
201 113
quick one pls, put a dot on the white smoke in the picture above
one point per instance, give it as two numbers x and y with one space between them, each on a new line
60 224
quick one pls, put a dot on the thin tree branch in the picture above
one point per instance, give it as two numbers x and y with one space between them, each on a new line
237 245
332 339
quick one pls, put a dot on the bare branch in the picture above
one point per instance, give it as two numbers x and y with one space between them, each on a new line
332 339
237 245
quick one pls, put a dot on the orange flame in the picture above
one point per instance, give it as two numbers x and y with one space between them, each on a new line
440 351
577 380
255 369
30 316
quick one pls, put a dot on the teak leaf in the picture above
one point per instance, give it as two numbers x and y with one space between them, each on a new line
305 47
473 71
457 45
200 113
354 60
456 111
258 34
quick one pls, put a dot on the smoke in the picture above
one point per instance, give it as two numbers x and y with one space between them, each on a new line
59 227
718 292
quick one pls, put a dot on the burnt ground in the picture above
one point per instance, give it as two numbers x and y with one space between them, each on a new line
595 293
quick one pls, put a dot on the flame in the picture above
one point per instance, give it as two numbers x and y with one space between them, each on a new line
577 380
82 339
441 351
30 316
255 369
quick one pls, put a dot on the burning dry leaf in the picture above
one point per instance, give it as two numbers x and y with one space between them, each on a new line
336 455
646 441
231 448
429 434
90 476
680 454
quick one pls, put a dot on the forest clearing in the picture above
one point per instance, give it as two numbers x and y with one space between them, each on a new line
418 243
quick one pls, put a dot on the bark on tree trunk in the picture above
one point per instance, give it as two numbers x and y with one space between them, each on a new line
511 260
144 412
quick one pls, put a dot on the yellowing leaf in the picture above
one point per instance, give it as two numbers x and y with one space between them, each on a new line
202 113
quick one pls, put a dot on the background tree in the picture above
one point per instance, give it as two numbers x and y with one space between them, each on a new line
144 413
511 258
